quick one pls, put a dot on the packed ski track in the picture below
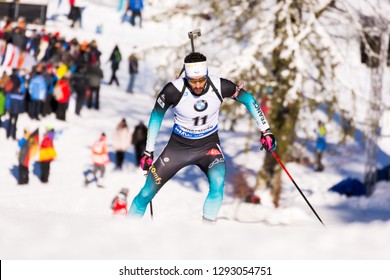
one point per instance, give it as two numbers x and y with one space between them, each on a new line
65 220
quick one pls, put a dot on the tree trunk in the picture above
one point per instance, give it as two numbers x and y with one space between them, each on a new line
283 115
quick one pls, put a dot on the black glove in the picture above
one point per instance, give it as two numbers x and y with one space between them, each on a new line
146 160
268 141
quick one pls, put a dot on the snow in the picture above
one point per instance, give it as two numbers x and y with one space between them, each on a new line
65 220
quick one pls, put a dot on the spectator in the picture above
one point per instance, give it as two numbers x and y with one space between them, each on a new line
43 46
18 38
51 79
47 154
94 77
38 92
15 102
121 142
133 70
100 159
79 84
320 145
23 166
33 43
119 203
95 53
139 140
17 106
115 59
28 148
136 7
74 14
62 94
7 30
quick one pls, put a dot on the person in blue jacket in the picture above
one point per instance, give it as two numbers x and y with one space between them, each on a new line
38 92
136 7
320 145
15 102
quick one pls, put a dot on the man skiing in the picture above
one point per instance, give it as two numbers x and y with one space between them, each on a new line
195 100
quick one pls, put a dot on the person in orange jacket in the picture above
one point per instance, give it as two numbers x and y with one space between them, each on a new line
47 154
100 159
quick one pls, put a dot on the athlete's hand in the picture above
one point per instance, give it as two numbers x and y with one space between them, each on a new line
268 141
146 160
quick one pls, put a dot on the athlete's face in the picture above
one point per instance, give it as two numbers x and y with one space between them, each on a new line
197 83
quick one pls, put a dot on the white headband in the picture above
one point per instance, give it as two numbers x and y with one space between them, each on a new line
196 69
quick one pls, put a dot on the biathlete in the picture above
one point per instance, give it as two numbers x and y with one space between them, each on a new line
195 101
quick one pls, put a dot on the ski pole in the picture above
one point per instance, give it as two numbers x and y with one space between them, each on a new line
151 209
296 186
150 203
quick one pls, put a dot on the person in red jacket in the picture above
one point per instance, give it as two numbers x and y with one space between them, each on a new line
47 154
119 203
62 94
100 159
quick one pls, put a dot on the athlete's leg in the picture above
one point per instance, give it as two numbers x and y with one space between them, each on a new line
213 202
141 201
171 160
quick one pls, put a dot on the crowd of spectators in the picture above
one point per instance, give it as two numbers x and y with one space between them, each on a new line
60 68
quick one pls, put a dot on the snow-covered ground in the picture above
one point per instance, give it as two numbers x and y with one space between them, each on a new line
64 220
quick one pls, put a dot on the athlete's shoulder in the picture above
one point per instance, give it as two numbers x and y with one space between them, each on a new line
171 92
169 87
178 84
215 79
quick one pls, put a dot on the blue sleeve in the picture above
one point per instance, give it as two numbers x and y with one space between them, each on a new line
73 69
21 142
254 109
154 125
52 84
169 96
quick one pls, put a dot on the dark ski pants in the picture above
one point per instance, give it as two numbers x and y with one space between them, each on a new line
23 175
61 111
35 108
93 98
134 15
12 125
319 165
45 171
130 86
181 152
47 105
80 98
98 168
114 78
120 157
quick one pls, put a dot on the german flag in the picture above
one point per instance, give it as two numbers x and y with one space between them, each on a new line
30 148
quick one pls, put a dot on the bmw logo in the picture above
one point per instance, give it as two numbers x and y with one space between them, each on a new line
200 105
